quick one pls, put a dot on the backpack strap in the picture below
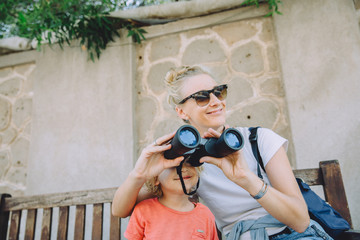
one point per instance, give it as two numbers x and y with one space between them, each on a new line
255 150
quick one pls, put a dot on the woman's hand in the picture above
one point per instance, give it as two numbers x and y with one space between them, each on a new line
150 164
233 165
152 161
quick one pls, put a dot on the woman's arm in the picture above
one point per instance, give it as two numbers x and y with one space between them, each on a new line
283 200
128 195
150 164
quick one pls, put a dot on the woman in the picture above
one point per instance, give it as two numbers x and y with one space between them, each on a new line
229 186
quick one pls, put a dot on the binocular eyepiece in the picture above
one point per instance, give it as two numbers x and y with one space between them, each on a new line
188 143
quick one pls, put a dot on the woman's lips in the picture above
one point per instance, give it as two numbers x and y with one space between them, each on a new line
215 111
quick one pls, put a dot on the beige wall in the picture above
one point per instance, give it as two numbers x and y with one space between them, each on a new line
67 122
319 47
70 124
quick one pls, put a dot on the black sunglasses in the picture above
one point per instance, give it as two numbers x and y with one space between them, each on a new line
202 97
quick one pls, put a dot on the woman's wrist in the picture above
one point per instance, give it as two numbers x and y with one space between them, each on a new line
251 183
262 191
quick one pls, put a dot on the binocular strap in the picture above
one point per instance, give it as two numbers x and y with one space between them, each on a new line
178 170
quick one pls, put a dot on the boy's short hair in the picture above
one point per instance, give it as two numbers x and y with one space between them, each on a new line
156 189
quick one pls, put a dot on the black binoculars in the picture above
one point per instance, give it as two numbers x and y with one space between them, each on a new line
188 143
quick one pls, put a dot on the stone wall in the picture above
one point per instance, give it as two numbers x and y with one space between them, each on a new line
15 126
242 54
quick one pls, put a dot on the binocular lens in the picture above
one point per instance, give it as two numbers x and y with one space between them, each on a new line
232 140
188 137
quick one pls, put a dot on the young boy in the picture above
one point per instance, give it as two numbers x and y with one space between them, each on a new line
171 215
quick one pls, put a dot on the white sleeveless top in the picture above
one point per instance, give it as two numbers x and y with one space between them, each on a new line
229 202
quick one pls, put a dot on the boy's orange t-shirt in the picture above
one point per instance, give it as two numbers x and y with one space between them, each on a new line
152 220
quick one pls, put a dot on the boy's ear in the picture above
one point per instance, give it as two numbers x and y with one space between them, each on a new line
156 182
181 113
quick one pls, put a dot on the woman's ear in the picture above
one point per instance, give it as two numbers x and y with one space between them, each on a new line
181 113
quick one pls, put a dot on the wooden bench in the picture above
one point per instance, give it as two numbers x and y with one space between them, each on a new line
328 175
11 209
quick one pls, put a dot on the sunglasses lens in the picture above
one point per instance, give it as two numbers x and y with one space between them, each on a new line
220 92
202 98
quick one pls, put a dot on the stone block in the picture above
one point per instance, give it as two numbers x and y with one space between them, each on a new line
11 87
219 71
24 69
169 109
203 51
263 113
17 175
140 52
267 31
4 163
236 31
273 59
5 114
196 33
239 90
156 76
20 152
167 46
22 111
248 59
272 86
8 135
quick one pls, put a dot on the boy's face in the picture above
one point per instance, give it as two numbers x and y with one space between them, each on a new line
170 182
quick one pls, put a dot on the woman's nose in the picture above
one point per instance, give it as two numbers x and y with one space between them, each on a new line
213 99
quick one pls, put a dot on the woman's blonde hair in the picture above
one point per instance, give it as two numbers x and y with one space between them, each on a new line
174 80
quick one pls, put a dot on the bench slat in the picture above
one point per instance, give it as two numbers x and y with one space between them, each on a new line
30 224
59 200
15 225
97 221
4 217
115 227
79 230
311 176
46 224
63 223
334 188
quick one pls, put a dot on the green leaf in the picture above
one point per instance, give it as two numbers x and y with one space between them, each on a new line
22 18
